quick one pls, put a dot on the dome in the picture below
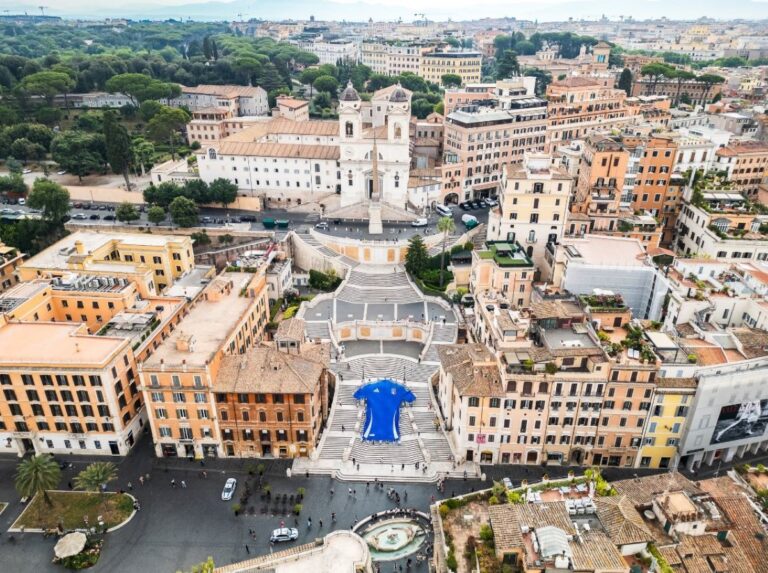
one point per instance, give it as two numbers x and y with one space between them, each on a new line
349 93
398 95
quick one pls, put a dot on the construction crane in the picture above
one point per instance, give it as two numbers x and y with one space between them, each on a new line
42 9
423 18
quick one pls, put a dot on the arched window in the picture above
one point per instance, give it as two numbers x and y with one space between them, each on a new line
349 129
398 132
543 388
527 388
212 153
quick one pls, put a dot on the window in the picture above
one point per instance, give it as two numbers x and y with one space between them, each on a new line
178 397
474 402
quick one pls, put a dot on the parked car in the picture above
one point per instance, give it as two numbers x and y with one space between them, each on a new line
95 217
248 218
420 223
61 172
284 534
109 217
78 205
476 204
483 203
26 171
507 483
22 201
322 225
229 489
444 210
103 207
464 206
79 216
206 220
491 202
86 206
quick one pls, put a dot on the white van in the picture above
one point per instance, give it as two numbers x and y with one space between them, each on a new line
444 210
467 218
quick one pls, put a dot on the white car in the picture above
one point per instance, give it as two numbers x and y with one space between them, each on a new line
79 216
507 483
322 225
26 171
491 202
22 201
62 172
420 223
284 534
229 489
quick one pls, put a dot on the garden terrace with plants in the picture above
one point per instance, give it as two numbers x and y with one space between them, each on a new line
68 508
464 520
505 254
598 302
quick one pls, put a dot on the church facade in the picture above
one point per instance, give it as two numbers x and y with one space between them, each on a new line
283 159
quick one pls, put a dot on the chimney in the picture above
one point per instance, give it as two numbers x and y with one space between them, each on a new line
79 247
185 343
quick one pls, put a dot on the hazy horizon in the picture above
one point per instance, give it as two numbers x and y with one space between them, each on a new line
389 10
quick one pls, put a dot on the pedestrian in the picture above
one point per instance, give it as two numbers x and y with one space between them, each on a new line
405 495
141 480
309 523
354 463
342 427
130 486
320 522
354 493
331 491
333 517
350 491
402 467
173 483
205 474
147 476
358 467
433 499
247 549
70 485
183 484
367 486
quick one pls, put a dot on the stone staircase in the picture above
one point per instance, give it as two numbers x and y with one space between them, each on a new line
318 330
407 451
385 365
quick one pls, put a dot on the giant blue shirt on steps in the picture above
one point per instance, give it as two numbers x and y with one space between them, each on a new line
382 414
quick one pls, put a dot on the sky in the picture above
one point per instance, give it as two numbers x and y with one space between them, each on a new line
542 10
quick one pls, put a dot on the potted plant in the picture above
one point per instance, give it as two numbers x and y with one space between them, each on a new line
300 493
297 508
236 507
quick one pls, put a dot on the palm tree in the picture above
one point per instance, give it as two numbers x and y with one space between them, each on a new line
37 475
446 226
96 475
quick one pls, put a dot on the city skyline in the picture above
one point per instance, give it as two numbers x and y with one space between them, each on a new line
356 10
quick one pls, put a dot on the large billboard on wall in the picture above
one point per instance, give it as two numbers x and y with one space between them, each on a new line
741 421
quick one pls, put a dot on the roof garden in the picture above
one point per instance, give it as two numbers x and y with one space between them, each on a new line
505 254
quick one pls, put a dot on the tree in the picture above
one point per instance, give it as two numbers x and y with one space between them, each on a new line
421 108
47 84
226 239
141 87
51 198
445 225
162 194
126 213
322 100
681 76
118 143
222 191
201 238
183 212
13 183
37 475
507 66
685 99
451 80
308 77
625 81
710 80
25 150
166 123
656 71
156 214
96 476
207 48
326 84
148 109
543 79
13 165
417 256
143 152
78 152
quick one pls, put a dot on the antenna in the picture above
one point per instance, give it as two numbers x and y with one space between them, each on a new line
42 9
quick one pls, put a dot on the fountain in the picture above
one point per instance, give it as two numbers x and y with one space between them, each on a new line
394 538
